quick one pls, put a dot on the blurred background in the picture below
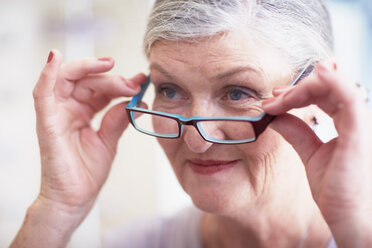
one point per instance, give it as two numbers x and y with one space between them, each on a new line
141 183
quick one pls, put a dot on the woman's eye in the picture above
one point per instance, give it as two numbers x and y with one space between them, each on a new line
237 95
169 93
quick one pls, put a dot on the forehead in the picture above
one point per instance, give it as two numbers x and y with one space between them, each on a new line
212 55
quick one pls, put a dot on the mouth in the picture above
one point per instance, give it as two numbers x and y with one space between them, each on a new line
210 167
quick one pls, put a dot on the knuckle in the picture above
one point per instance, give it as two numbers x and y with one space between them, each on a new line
48 132
119 80
86 64
35 93
44 75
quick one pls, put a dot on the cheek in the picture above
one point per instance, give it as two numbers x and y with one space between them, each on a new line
268 142
263 156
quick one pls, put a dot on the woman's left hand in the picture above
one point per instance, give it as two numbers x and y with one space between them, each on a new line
339 171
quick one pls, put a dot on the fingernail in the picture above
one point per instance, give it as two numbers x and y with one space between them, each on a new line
50 57
105 59
132 85
281 89
269 102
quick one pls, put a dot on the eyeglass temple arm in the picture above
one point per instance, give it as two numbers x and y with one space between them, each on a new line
261 125
303 73
138 98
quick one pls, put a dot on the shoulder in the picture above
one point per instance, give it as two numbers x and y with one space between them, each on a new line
180 230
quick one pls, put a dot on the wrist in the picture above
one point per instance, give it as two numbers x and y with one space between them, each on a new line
56 216
48 224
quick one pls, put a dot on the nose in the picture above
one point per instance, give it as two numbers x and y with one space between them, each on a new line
191 136
194 140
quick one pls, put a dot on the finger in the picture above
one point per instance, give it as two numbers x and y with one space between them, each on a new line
99 102
97 91
327 90
106 84
78 69
339 100
298 133
139 79
44 86
43 90
113 125
277 91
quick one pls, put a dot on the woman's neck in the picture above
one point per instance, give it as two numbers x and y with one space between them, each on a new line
298 224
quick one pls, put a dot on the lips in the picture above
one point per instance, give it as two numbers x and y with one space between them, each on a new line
210 167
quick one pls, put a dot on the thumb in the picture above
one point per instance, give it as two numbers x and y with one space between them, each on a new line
298 133
43 90
113 125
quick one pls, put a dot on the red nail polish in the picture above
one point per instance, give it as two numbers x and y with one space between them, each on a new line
105 59
50 57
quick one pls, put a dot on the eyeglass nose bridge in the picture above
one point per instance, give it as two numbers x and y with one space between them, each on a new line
188 122
194 122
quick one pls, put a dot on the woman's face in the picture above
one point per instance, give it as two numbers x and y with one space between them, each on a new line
215 77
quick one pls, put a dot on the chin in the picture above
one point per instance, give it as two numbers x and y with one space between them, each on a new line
212 206
221 199
224 192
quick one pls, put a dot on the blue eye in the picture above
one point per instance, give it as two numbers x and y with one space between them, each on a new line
170 93
236 94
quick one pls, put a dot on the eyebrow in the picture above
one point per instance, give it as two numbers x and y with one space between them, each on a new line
220 77
236 70
160 69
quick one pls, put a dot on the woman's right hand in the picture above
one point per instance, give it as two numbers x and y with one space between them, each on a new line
75 158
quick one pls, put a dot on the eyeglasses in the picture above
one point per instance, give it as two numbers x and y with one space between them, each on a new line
219 130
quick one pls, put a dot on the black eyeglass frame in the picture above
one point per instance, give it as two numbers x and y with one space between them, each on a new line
258 123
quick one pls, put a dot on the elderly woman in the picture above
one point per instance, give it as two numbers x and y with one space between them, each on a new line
226 74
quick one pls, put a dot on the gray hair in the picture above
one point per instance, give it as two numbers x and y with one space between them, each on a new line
300 29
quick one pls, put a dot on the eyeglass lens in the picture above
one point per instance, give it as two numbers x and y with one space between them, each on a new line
154 124
217 130
227 130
